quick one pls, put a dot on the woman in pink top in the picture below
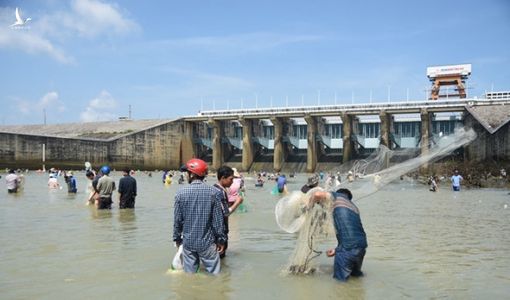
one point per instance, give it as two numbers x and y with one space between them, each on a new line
233 192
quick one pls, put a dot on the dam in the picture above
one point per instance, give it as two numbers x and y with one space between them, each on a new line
300 139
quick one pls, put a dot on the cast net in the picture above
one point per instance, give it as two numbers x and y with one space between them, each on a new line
314 223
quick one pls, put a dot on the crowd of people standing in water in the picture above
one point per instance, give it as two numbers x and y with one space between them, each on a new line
202 211
100 186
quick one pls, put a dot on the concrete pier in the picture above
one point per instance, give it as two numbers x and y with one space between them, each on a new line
217 145
248 153
187 145
279 151
311 157
347 137
425 134
385 133
385 128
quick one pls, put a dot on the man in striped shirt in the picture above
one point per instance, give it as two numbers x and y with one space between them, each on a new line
198 221
351 237
225 175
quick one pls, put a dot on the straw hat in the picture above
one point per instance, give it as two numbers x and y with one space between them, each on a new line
236 173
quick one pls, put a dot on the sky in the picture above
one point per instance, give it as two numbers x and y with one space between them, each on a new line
93 60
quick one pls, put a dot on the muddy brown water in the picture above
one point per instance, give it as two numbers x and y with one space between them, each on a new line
421 245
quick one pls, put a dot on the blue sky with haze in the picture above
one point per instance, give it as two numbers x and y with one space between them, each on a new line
88 60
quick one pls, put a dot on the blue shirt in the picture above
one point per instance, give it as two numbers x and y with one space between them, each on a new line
281 182
456 180
349 230
198 217
71 184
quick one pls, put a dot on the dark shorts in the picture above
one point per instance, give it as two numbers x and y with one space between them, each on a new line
12 190
128 202
456 188
105 203
348 263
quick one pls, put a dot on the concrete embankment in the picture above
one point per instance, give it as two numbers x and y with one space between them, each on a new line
145 144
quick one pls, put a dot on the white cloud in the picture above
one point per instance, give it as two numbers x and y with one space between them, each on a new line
48 99
100 108
27 40
93 17
84 18
50 102
87 18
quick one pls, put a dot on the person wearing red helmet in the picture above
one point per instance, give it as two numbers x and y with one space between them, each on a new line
198 220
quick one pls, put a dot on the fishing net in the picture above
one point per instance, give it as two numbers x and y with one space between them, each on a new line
440 148
289 211
375 162
314 223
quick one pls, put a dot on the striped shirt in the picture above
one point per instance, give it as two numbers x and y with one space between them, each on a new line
224 204
347 221
198 217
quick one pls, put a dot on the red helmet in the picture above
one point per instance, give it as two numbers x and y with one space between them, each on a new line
196 166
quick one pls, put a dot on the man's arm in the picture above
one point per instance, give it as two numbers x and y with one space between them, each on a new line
178 222
218 223
236 204
99 185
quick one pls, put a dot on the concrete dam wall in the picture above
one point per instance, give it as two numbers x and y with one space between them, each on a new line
157 147
166 144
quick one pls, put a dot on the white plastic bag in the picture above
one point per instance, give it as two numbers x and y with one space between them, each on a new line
177 261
